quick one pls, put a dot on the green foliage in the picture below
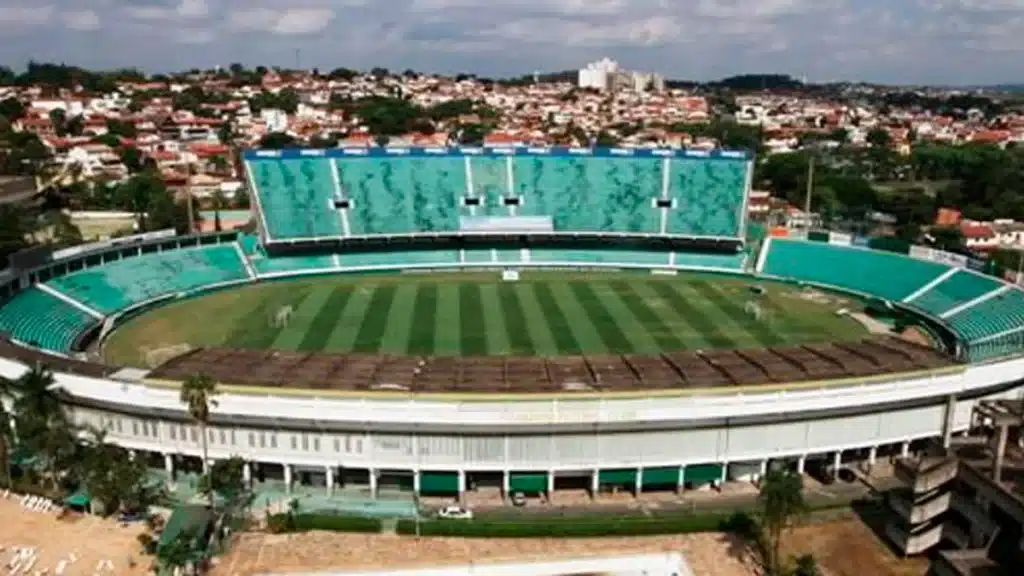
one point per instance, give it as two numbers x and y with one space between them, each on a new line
781 503
543 526
225 479
806 565
115 480
290 522
12 108
277 140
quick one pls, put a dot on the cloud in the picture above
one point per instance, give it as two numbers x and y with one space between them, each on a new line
288 22
918 41
82 20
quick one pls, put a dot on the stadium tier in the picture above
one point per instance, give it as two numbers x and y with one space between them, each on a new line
43 320
311 194
121 284
986 314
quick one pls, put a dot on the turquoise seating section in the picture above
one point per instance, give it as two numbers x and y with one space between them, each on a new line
411 194
621 257
720 261
876 273
489 178
954 290
122 283
286 264
297 197
403 195
43 320
591 194
709 196
400 258
1003 312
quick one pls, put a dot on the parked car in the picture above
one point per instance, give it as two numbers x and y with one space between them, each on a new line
455 513
518 499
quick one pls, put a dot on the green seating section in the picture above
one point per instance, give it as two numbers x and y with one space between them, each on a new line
399 259
43 320
591 194
961 287
287 264
415 194
296 197
998 314
876 273
709 196
716 261
123 283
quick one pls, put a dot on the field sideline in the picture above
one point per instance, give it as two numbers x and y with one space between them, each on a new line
544 314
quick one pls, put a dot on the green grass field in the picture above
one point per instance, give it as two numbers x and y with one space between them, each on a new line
543 314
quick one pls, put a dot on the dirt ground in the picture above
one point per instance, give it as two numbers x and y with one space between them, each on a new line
850 548
90 539
843 548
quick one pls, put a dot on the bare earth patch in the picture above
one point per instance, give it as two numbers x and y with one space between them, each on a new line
917 336
90 539
850 548
708 554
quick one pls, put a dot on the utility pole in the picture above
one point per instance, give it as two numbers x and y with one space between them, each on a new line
188 201
810 189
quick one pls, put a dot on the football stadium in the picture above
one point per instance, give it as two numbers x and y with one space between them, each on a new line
441 320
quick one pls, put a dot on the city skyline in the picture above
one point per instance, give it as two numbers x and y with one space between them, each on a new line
948 42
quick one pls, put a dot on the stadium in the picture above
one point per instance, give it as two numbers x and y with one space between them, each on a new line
525 319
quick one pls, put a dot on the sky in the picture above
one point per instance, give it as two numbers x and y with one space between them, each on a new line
949 42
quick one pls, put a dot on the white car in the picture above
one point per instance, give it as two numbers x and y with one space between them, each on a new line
455 513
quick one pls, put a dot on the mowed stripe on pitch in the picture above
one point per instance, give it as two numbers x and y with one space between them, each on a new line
320 329
257 330
347 325
473 322
555 319
604 323
496 334
654 321
448 325
639 335
756 330
703 324
291 333
424 321
375 320
399 319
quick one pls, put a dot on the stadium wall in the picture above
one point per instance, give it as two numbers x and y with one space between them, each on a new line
571 434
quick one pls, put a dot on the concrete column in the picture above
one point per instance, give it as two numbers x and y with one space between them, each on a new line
373 483
417 482
801 464
947 427
764 468
462 483
725 472
997 470
905 449
329 472
595 483
837 461
639 487
872 455
505 484
169 465
681 480
551 484
288 478
247 474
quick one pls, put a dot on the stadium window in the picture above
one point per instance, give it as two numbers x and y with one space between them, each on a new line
210 436
471 201
193 435
273 439
174 432
663 203
252 439
316 444
295 442
232 437
305 443
117 424
337 445
223 437
263 440
342 203
511 200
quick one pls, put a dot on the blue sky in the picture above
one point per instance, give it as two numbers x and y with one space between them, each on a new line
893 41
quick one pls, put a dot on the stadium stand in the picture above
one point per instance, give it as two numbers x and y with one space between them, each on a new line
43 320
310 194
870 272
124 283
956 288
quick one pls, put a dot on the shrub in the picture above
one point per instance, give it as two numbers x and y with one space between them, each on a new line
567 527
280 523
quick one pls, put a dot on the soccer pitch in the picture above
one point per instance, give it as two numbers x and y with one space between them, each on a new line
542 314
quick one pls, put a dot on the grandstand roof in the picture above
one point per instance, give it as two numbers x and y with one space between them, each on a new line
496 374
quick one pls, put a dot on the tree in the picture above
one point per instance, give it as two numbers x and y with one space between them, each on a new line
277 140
12 108
7 439
132 159
184 550
43 425
59 119
218 205
806 565
197 393
226 479
781 503
115 480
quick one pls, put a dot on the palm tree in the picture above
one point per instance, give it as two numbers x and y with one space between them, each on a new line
7 438
197 393
43 425
781 503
